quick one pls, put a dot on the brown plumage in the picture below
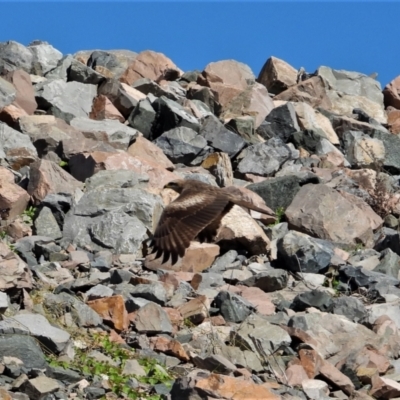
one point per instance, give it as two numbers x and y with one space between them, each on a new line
196 213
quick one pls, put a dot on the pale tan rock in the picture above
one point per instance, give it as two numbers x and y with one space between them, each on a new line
394 121
196 309
230 388
391 93
253 101
18 229
322 212
344 104
238 225
277 75
227 79
147 64
14 272
198 257
148 151
364 177
313 91
366 151
11 114
308 118
47 177
85 165
261 300
103 109
219 164
25 97
13 198
295 375
374 219
132 92
112 309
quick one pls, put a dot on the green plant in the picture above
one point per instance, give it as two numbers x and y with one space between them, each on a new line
119 383
63 164
3 235
29 214
280 212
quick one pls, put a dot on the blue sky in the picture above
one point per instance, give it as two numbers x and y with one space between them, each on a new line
360 36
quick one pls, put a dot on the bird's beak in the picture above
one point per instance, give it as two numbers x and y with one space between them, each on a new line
166 186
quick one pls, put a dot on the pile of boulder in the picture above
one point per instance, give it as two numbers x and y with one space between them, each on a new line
301 302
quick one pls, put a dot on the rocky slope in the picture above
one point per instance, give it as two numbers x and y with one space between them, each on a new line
301 305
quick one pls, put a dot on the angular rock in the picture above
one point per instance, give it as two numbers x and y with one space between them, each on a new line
350 307
196 309
25 348
112 310
142 117
66 100
123 97
103 109
14 55
391 143
13 199
254 101
7 93
280 122
326 214
152 319
198 257
312 91
25 95
169 115
391 93
46 177
221 138
118 135
263 159
45 57
148 64
53 338
394 121
181 145
232 307
314 298
277 75
255 332
220 166
46 224
303 253
80 72
14 272
269 281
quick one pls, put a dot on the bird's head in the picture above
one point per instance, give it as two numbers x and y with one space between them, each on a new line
176 185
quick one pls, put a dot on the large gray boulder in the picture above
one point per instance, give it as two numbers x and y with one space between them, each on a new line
66 100
7 93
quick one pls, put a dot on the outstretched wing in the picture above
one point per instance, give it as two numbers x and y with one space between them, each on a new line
183 219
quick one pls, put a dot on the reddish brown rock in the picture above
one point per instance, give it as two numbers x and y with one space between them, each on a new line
18 229
219 165
170 347
322 212
391 93
103 109
296 375
394 121
277 75
198 257
175 317
12 198
112 310
196 310
227 79
312 91
14 272
311 362
384 388
148 64
332 374
47 177
148 151
25 98
230 388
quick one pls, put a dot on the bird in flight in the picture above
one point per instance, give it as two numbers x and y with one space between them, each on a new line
195 213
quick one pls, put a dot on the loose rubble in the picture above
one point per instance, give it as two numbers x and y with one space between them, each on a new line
300 304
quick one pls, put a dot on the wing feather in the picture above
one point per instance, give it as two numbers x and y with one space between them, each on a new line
183 219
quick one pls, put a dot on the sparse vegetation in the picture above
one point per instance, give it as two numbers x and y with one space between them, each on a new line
29 214
120 384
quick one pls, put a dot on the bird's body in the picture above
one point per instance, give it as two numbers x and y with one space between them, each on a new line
196 213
